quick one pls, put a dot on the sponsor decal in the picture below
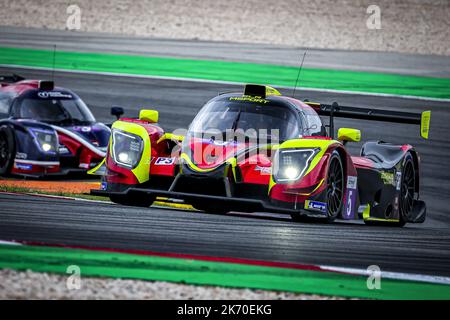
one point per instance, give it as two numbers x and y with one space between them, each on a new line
316 206
53 94
251 99
82 129
398 180
84 165
352 182
350 198
63 150
21 155
104 185
388 178
264 170
21 166
161 161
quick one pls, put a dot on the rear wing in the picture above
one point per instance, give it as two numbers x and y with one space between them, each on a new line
335 110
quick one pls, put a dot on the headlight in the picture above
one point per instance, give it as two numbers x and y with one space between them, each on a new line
46 140
126 148
291 164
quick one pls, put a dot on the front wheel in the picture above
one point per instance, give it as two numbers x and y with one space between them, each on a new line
7 150
407 190
135 201
335 187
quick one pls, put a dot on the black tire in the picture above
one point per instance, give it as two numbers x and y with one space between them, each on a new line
407 190
7 150
209 208
335 187
133 201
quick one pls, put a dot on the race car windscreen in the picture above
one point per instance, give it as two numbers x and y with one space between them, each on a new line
5 101
278 122
54 107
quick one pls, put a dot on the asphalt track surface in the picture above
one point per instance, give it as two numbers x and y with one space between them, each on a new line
421 248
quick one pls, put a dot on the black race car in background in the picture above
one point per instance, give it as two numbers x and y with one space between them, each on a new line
47 130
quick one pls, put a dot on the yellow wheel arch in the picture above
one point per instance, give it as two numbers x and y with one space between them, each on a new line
306 144
142 170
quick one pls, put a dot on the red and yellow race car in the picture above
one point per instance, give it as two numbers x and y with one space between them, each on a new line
261 151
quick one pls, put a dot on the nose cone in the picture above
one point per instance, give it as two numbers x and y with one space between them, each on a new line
208 154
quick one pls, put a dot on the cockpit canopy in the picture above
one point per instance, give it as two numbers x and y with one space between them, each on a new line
55 107
271 119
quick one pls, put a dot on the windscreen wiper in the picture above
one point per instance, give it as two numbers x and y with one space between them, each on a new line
235 122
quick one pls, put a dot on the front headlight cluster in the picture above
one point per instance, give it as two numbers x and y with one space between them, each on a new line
291 164
126 148
46 140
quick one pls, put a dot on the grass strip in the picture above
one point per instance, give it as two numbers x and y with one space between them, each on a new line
200 272
275 75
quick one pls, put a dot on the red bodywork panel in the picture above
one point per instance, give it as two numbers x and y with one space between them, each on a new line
20 87
85 155
256 169
207 154
362 162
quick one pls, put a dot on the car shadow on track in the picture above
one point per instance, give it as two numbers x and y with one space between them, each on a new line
311 221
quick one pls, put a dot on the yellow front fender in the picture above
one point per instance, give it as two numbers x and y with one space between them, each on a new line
305 144
142 170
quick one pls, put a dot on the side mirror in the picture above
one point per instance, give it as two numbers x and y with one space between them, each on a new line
349 134
149 115
117 112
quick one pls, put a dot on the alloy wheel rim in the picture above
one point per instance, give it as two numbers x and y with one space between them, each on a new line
335 188
407 190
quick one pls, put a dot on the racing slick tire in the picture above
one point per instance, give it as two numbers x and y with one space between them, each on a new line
407 190
133 201
335 187
7 150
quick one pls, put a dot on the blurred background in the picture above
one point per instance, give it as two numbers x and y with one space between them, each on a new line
410 26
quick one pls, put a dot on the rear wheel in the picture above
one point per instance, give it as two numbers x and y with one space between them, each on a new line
7 150
335 187
407 190
132 200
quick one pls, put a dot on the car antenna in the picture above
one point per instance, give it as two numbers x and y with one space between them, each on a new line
299 72
54 60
